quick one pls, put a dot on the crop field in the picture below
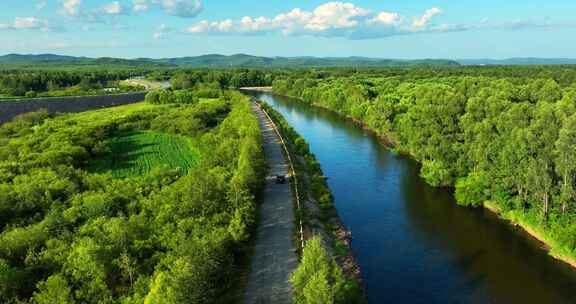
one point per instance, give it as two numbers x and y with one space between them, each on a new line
136 153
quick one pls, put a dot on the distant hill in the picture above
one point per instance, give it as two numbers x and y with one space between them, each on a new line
57 61
517 61
242 60
249 61
215 61
17 58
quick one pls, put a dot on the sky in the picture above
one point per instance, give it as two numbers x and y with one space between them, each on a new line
453 29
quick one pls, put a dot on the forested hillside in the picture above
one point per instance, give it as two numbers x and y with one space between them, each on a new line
503 135
213 61
145 203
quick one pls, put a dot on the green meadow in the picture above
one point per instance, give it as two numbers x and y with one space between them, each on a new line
135 153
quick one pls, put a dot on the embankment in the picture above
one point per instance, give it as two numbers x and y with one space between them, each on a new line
533 231
319 213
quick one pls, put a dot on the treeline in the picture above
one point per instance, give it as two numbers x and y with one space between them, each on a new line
498 136
19 83
564 75
192 85
184 96
72 236
185 79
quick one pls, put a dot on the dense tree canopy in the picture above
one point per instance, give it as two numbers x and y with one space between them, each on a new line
503 134
69 235
32 83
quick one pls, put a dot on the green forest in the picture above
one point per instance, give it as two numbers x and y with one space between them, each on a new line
144 203
43 82
501 136
55 83
155 202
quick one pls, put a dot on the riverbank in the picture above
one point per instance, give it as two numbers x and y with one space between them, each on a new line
515 218
319 213
535 232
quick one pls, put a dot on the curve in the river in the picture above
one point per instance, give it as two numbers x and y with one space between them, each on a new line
413 243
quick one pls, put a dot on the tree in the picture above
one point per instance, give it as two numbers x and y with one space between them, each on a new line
565 161
539 180
318 279
317 290
54 290
473 189
430 129
542 136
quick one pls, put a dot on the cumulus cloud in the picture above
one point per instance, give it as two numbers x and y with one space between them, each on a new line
28 23
71 7
101 14
387 18
81 10
424 20
332 19
326 17
182 8
179 8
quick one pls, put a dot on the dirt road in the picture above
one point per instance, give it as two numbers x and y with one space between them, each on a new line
274 257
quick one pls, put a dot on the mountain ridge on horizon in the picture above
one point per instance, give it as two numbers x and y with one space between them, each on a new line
248 61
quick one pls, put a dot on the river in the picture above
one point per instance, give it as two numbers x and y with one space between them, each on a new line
413 243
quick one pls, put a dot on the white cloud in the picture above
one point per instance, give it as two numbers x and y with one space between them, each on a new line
335 15
182 8
332 16
179 8
387 18
28 23
71 7
424 20
101 14
140 5
113 8
332 19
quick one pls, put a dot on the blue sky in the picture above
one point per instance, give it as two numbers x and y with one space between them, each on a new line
385 29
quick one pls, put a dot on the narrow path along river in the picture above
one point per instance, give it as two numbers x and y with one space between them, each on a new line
274 257
413 243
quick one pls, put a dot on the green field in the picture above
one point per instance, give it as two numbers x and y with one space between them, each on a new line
136 153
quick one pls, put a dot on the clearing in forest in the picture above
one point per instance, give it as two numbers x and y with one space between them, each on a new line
135 153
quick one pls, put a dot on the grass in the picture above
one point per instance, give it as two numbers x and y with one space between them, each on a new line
136 153
101 116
